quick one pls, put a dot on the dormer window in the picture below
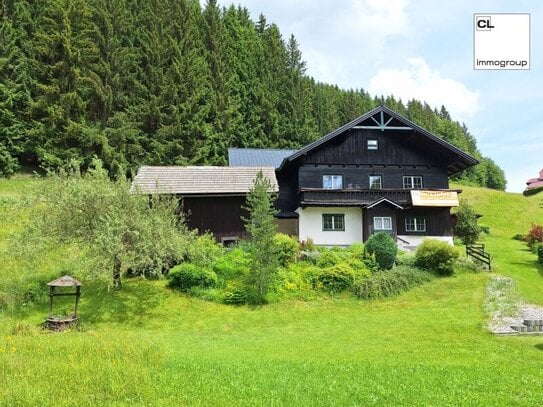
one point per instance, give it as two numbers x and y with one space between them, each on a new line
332 181
373 145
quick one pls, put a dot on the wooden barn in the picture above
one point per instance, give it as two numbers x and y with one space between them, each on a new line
380 172
212 197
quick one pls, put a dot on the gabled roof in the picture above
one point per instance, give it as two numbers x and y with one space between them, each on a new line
383 201
382 118
255 157
65 281
199 180
535 182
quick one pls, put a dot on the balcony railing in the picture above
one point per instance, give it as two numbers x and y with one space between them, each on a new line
313 196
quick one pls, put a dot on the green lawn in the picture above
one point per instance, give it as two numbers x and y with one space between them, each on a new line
149 346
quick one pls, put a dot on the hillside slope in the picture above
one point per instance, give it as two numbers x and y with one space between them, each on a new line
508 214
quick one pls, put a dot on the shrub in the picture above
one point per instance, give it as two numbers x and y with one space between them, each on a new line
484 229
532 191
311 257
466 223
234 264
384 248
188 275
436 256
466 264
356 250
288 248
405 259
235 294
337 277
393 282
308 245
540 253
535 235
330 257
518 236
204 251
297 277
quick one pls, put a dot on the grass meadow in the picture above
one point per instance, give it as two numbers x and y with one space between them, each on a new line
147 345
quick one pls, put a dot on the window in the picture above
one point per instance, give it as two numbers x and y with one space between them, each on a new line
332 181
412 182
373 144
382 223
376 182
333 222
415 224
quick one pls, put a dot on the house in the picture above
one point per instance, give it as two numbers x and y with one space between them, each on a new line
534 183
380 172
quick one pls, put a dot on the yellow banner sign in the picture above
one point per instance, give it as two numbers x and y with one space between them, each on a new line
434 198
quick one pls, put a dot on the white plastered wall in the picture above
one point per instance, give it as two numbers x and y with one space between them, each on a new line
310 226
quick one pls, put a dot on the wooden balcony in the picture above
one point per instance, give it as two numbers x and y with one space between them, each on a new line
352 197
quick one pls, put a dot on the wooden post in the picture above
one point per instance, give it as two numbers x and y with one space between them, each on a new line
77 294
51 295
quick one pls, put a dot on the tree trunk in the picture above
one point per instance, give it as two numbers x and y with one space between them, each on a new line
117 273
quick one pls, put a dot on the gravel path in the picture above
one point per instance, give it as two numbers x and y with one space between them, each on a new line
503 325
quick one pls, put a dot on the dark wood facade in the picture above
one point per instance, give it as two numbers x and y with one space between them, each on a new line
378 144
220 215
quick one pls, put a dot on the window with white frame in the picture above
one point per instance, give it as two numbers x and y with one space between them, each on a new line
376 182
332 181
373 144
382 223
412 182
415 224
333 222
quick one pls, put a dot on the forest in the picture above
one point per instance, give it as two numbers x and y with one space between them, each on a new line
170 82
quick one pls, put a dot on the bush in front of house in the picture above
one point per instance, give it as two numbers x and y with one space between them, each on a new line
187 275
466 223
204 251
288 248
437 256
234 264
390 283
384 248
341 276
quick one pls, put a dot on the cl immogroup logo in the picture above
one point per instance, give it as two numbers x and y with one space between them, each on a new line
483 23
501 41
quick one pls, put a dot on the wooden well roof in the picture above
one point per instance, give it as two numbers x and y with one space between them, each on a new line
65 281
199 180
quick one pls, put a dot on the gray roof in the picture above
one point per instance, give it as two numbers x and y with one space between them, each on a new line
199 180
251 157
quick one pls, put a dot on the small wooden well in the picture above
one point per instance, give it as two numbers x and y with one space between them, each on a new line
60 323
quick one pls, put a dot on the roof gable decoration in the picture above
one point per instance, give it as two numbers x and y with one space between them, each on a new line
384 201
199 180
382 118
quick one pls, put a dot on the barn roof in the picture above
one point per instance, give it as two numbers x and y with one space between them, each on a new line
382 118
199 180
251 157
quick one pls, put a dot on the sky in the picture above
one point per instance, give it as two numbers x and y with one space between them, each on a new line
423 49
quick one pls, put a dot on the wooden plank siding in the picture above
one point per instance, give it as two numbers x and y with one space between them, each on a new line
219 215
310 176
